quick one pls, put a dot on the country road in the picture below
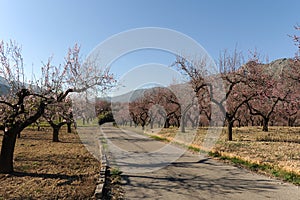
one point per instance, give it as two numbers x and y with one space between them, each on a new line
149 174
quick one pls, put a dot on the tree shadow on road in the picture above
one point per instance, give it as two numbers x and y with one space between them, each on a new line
190 179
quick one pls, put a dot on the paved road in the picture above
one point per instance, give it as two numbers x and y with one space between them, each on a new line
189 177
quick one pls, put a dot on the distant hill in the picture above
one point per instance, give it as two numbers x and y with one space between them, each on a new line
127 97
4 87
277 66
130 96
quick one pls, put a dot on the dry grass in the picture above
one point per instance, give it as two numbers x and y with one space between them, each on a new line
47 170
279 147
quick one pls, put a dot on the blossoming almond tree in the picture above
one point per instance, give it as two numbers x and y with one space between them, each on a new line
26 103
235 82
156 104
272 89
57 115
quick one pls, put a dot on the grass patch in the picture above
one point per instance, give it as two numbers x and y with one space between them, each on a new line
192 148
115 172
266 168
159 138
188 147
103 143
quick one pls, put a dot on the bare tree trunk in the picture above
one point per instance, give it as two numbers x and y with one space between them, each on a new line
252 121
291 121
167 123
265 124
69 127
56 128
183 123
7 151
55 134
229 127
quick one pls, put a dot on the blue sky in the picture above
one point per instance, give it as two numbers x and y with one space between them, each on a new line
49 27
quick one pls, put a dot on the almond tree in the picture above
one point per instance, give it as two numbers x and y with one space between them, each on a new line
57 115
79 106
120 113
237 94
193 118
235 81
242 117
169 107
139 112
272 89
186 101
204 104
288 111
26 103
291 106
157 114
21 107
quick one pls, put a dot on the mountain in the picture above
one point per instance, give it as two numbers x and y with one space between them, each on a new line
4 87
278 66
128 97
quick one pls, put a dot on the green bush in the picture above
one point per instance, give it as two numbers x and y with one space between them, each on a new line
105 117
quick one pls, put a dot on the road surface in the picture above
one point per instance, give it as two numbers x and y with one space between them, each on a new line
189 177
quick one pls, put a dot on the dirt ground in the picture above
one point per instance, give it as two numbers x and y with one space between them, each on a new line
48 170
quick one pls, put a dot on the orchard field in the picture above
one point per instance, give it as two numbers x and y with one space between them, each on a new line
50 170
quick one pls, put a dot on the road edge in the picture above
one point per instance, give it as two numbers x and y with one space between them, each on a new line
99 191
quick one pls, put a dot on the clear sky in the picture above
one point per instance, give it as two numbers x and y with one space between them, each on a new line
49 27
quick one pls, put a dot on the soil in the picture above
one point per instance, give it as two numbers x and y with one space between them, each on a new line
113 189
50 170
